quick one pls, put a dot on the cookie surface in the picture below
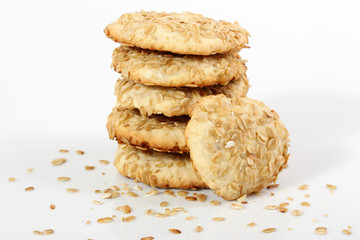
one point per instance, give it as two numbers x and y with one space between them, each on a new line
182 33
163 170
173 70
238 146
171 101
155 132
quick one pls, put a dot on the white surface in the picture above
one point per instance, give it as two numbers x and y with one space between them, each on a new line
56 92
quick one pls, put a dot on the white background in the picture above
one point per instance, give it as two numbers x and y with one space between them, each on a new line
56 90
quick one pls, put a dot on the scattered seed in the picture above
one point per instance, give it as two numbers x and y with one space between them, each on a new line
30 169
149 212
190 198
126 209
307 195
303 187
331 187
290 199
269 230
49 231
215 202
296 213
63 179
218 219
58 161
36 232
138 188
284 204
152 193
104 162
272 194
271 207
29 189
190 218
201 197
242 198
272 186
115 188
283 209
97 202
290 229
63 150
88 222
321 230
306 204
199 229
169 192
105 220
237 206
126 189
325 215
128 218
72 190
12 179
164 204
52 206
175 231
89 167
147 238
132 194
252 224
182 193
80 152
346 231
349 227
314 220
97 191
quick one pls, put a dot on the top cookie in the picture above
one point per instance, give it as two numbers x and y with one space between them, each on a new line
173 70
183 33
238 146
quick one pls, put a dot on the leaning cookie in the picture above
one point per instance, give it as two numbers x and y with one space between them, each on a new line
155 132
238 146
173 70
182 33
163 170
171 101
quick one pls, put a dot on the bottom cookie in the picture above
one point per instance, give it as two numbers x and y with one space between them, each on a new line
163 170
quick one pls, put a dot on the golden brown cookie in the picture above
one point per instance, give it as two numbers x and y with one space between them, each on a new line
171 101
155 132
238 146
163 170
182 33
173 70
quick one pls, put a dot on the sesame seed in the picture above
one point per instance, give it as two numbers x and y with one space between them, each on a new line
58 161
269 230
199 229
346 231
321 230
63 150
128 218
72 190
175 231
164 204
52 206
303 187
252 224
29 189
12 179
80 152
89 167
218 219
104 162
105 220
63 179
215 202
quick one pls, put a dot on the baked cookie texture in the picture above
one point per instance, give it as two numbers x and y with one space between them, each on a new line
171 101
182 33
155 132
238 146
163 170
173 70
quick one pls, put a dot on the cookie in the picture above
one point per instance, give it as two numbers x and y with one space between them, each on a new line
173 70
163 170
182 33
238 146
155 132
171 101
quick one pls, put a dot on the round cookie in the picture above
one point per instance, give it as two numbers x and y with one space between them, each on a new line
163 170
182 33
172 70
155 132
238 146
171 101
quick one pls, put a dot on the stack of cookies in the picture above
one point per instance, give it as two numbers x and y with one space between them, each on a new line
182 119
